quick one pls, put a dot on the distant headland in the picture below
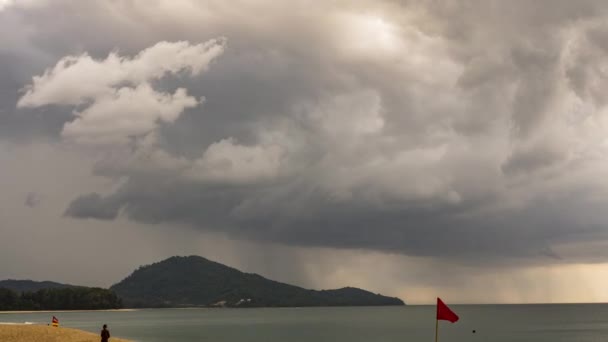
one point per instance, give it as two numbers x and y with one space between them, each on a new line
191 281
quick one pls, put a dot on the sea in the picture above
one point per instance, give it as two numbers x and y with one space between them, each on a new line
496 323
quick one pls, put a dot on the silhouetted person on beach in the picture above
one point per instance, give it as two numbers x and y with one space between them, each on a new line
105 334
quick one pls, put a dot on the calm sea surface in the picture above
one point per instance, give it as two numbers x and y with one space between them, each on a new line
496 323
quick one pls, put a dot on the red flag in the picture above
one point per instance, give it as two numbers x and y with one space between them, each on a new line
444 313
55 321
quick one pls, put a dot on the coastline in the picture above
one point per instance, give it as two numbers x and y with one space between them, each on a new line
50 311
212 308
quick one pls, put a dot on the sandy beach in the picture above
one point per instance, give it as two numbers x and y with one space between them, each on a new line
40 333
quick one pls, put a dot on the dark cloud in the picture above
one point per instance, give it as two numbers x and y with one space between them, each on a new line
92 206
531 158
32 199
454 130
24 125
550 253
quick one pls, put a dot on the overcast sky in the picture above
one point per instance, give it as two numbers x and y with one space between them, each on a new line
413 148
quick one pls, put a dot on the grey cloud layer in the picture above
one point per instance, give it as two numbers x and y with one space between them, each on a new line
465 130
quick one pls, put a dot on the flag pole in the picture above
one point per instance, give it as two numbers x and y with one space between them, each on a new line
436 329
443 313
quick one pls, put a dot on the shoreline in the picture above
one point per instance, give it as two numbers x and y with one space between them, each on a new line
211 308
50 311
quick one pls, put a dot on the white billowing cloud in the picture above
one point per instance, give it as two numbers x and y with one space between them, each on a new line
118 99
364 32
225 162
5 4
128 112
229 162
341 120
145 158
352 114
76 79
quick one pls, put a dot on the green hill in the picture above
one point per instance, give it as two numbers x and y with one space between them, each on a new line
196 281
48 295
70 298
30 285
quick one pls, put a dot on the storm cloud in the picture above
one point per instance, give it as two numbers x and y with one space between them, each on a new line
470 131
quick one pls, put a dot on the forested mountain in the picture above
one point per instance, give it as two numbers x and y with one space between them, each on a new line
30 285
196 281
180 282
71 298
